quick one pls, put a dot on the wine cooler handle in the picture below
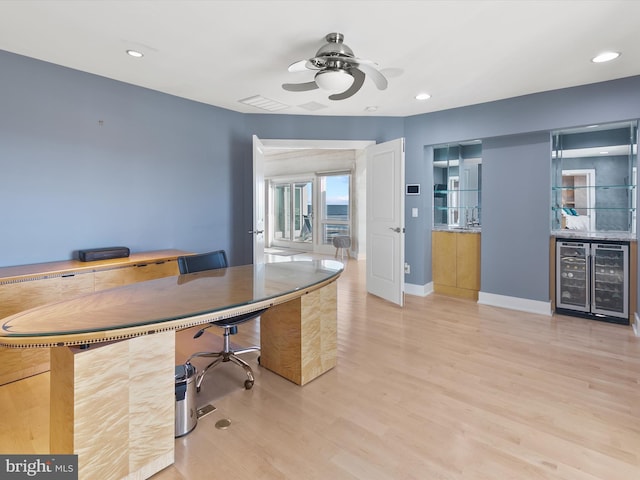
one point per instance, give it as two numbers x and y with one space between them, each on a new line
591 276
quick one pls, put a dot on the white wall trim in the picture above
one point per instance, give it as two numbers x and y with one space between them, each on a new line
515 303
418 290
636 324
272 144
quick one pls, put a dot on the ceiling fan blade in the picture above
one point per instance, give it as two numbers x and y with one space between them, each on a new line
301 66
362 61
375 75
300 87
358 80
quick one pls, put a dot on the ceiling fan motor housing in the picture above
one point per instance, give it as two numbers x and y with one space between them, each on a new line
334 47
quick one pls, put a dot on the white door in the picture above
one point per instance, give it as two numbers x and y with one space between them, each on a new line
257 228
385 220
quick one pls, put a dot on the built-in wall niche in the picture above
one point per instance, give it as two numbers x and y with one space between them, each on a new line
457 185
594 178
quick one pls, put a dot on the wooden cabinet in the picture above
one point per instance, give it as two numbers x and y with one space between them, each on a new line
28 286
21 295
139 272
456 263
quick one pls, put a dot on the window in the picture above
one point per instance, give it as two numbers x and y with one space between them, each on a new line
335 205
292 213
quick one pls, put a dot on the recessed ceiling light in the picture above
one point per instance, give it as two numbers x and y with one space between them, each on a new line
423 96
135 53
371 108
605 57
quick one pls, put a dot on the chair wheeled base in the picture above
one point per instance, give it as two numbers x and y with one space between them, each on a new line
226 355
192 264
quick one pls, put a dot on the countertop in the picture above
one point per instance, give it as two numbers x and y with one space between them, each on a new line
444 228
617 236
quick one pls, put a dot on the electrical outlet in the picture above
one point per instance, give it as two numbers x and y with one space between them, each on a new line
407 268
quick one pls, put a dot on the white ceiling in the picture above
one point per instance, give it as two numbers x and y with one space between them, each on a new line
218 52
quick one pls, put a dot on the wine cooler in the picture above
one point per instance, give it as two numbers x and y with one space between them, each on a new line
592 279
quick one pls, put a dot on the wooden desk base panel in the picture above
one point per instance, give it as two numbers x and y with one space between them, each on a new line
298 339
113 405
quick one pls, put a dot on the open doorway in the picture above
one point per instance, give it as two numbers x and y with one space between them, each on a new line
330 180
379 230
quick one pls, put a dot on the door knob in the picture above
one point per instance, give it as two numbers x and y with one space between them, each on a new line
397 229
257 232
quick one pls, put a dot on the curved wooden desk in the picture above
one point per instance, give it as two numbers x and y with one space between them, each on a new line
112 368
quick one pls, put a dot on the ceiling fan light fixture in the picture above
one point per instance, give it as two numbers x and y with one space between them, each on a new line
334 80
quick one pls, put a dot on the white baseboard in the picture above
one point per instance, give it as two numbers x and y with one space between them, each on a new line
418 290
515 303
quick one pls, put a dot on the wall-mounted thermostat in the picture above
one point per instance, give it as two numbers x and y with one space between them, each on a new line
413 189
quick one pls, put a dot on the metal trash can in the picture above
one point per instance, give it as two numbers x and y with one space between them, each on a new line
186 411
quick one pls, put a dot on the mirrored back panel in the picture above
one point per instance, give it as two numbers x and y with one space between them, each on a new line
594 178
457 185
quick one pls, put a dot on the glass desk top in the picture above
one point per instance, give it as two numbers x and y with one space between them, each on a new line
168 303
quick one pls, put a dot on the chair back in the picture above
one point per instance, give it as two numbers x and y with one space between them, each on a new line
202 261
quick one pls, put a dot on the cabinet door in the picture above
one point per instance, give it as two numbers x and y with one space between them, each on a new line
20 296
119 277
609 284
468 260
151 271
105 279
572 283
444 258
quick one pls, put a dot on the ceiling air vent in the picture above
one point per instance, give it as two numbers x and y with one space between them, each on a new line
264 103
312 106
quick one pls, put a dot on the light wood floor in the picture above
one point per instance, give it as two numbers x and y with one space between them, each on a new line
441 389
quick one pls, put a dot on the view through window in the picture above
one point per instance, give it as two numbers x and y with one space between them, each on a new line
335 192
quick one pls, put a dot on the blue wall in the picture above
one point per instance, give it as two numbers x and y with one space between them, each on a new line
90 162
531 118
516 214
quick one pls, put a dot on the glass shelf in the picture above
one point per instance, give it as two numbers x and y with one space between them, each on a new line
456 191
460 207
595 209
595 187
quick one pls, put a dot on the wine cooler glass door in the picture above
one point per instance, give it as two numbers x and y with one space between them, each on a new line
609 292
572 284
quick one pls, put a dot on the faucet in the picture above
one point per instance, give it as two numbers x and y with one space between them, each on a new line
475 217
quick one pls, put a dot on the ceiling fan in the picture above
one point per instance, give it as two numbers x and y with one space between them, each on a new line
338 70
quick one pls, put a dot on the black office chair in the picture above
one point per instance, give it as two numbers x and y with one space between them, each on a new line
212 261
